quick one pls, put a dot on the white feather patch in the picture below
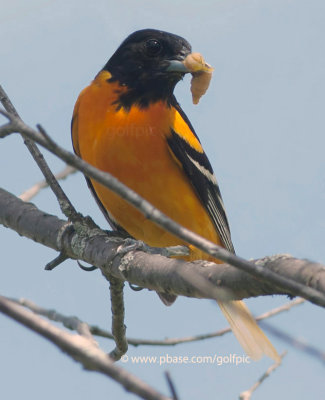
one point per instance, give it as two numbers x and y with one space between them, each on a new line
203 170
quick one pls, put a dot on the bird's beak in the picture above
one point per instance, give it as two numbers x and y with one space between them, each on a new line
192 63
177 66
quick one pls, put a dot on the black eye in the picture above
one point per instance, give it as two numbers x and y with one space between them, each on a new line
153 47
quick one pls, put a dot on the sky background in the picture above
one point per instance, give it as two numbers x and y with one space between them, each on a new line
262 126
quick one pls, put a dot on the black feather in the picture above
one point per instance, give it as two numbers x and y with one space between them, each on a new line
207 189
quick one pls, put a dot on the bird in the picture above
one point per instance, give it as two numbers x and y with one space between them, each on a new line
128 122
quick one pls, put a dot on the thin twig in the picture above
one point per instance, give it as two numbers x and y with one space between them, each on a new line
28 194
171 385
65 204
81 349
72 322
297 343
168 224
56 261
118 327
248 393
280 309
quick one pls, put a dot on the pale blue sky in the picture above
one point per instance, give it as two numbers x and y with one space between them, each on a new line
262 125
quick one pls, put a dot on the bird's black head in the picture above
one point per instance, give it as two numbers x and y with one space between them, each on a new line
148 63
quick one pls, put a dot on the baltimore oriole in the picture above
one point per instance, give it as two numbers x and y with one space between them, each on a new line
127 122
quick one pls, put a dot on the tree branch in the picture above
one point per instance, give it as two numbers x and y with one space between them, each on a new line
74 323
118 327
65 204
255 269
81 349
28 194
248 393
171 386
152 271
295 342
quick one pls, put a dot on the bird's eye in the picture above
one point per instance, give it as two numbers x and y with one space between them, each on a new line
153 47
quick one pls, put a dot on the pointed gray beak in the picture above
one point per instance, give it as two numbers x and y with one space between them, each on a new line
177 66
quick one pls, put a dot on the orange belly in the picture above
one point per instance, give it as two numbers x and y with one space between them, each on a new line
133 147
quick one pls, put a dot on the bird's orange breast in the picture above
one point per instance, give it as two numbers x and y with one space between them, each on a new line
132 145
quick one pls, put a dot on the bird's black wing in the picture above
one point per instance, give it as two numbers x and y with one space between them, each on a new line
200 173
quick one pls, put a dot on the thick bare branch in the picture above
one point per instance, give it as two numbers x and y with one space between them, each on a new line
265 274
81 349
149 270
